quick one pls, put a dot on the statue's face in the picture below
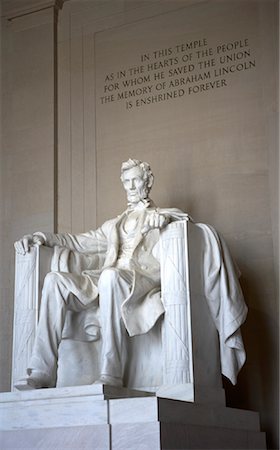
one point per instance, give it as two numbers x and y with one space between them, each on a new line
134 185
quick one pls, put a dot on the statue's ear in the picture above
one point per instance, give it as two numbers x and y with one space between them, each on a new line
150 181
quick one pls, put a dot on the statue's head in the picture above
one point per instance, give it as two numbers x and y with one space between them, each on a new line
137 179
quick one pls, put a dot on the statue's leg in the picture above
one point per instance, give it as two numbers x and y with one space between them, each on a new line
114 287
58 295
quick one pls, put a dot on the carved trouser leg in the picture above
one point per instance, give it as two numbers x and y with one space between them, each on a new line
58 295
114 287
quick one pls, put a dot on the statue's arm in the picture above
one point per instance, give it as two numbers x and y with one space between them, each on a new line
91 241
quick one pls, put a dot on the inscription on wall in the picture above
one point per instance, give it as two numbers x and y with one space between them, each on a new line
188 68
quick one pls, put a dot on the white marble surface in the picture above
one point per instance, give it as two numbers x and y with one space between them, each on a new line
96 391
81 437
53 413
42 417
175 293
26 310
143 436
40 408
137 436
72 406
133 410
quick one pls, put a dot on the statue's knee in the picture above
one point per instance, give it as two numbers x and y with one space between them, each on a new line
54 289
52 279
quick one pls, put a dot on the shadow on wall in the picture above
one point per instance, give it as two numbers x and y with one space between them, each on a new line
255 389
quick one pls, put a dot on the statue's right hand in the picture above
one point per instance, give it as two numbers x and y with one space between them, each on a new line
22 246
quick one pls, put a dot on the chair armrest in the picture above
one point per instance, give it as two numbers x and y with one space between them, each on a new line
176 328
30 271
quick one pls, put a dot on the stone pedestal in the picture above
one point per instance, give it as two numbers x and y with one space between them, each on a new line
101 417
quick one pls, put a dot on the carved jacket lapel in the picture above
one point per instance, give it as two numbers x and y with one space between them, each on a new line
113 242
139 236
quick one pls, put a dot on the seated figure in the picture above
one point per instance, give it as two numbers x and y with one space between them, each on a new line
123 279
119 278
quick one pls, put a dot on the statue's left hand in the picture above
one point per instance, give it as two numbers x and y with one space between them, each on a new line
23 245
154 220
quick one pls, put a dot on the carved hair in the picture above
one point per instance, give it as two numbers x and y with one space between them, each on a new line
145 168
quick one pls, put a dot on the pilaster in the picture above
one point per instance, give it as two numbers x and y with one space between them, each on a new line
29 138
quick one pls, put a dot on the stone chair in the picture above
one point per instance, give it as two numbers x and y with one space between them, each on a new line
179 358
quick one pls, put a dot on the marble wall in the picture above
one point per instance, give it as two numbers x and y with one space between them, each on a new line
189 86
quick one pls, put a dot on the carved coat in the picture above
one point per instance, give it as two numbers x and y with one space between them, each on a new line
98 250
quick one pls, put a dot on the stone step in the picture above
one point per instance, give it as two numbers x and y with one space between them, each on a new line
93 404
174 411
101 417
100 390
133 436
73 406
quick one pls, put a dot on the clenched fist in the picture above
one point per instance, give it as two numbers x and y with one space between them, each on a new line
154 220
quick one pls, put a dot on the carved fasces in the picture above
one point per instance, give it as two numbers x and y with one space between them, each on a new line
176 329
25 310
190 349
30 270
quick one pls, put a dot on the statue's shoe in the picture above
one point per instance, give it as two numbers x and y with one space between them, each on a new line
36 380
109 381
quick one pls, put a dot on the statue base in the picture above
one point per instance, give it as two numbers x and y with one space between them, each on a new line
105 417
